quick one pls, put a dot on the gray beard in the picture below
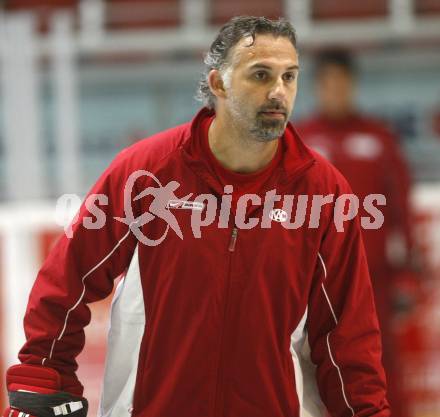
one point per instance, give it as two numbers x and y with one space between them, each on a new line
267 130
261 130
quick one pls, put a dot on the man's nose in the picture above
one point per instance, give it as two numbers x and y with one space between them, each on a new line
278 91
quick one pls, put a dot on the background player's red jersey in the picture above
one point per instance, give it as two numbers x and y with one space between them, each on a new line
367 154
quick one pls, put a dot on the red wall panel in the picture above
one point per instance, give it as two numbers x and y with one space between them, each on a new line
347 9
223 10
427 7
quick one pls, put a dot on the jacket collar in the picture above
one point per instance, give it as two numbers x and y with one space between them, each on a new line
297 157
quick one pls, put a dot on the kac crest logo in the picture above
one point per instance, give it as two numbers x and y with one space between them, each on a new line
278 215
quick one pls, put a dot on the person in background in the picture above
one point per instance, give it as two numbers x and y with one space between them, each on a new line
367 153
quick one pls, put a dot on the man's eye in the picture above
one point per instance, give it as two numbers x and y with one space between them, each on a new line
290 76
260 75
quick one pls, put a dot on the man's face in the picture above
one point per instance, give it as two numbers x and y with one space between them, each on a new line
261 84
335 91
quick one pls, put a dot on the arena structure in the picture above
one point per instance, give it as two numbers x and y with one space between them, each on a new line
81 80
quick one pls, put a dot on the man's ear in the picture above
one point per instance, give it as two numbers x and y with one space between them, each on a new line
216 83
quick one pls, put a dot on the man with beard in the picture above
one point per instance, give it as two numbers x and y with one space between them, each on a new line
240 321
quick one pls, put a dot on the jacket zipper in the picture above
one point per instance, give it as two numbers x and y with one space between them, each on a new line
219 391
233 240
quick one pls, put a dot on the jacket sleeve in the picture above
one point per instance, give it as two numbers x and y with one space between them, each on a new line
343 329
80 269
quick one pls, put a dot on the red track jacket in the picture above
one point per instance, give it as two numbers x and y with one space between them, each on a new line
235 322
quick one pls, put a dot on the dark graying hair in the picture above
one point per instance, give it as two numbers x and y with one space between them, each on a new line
230 34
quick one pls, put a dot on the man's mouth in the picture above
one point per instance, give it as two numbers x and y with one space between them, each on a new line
274 113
